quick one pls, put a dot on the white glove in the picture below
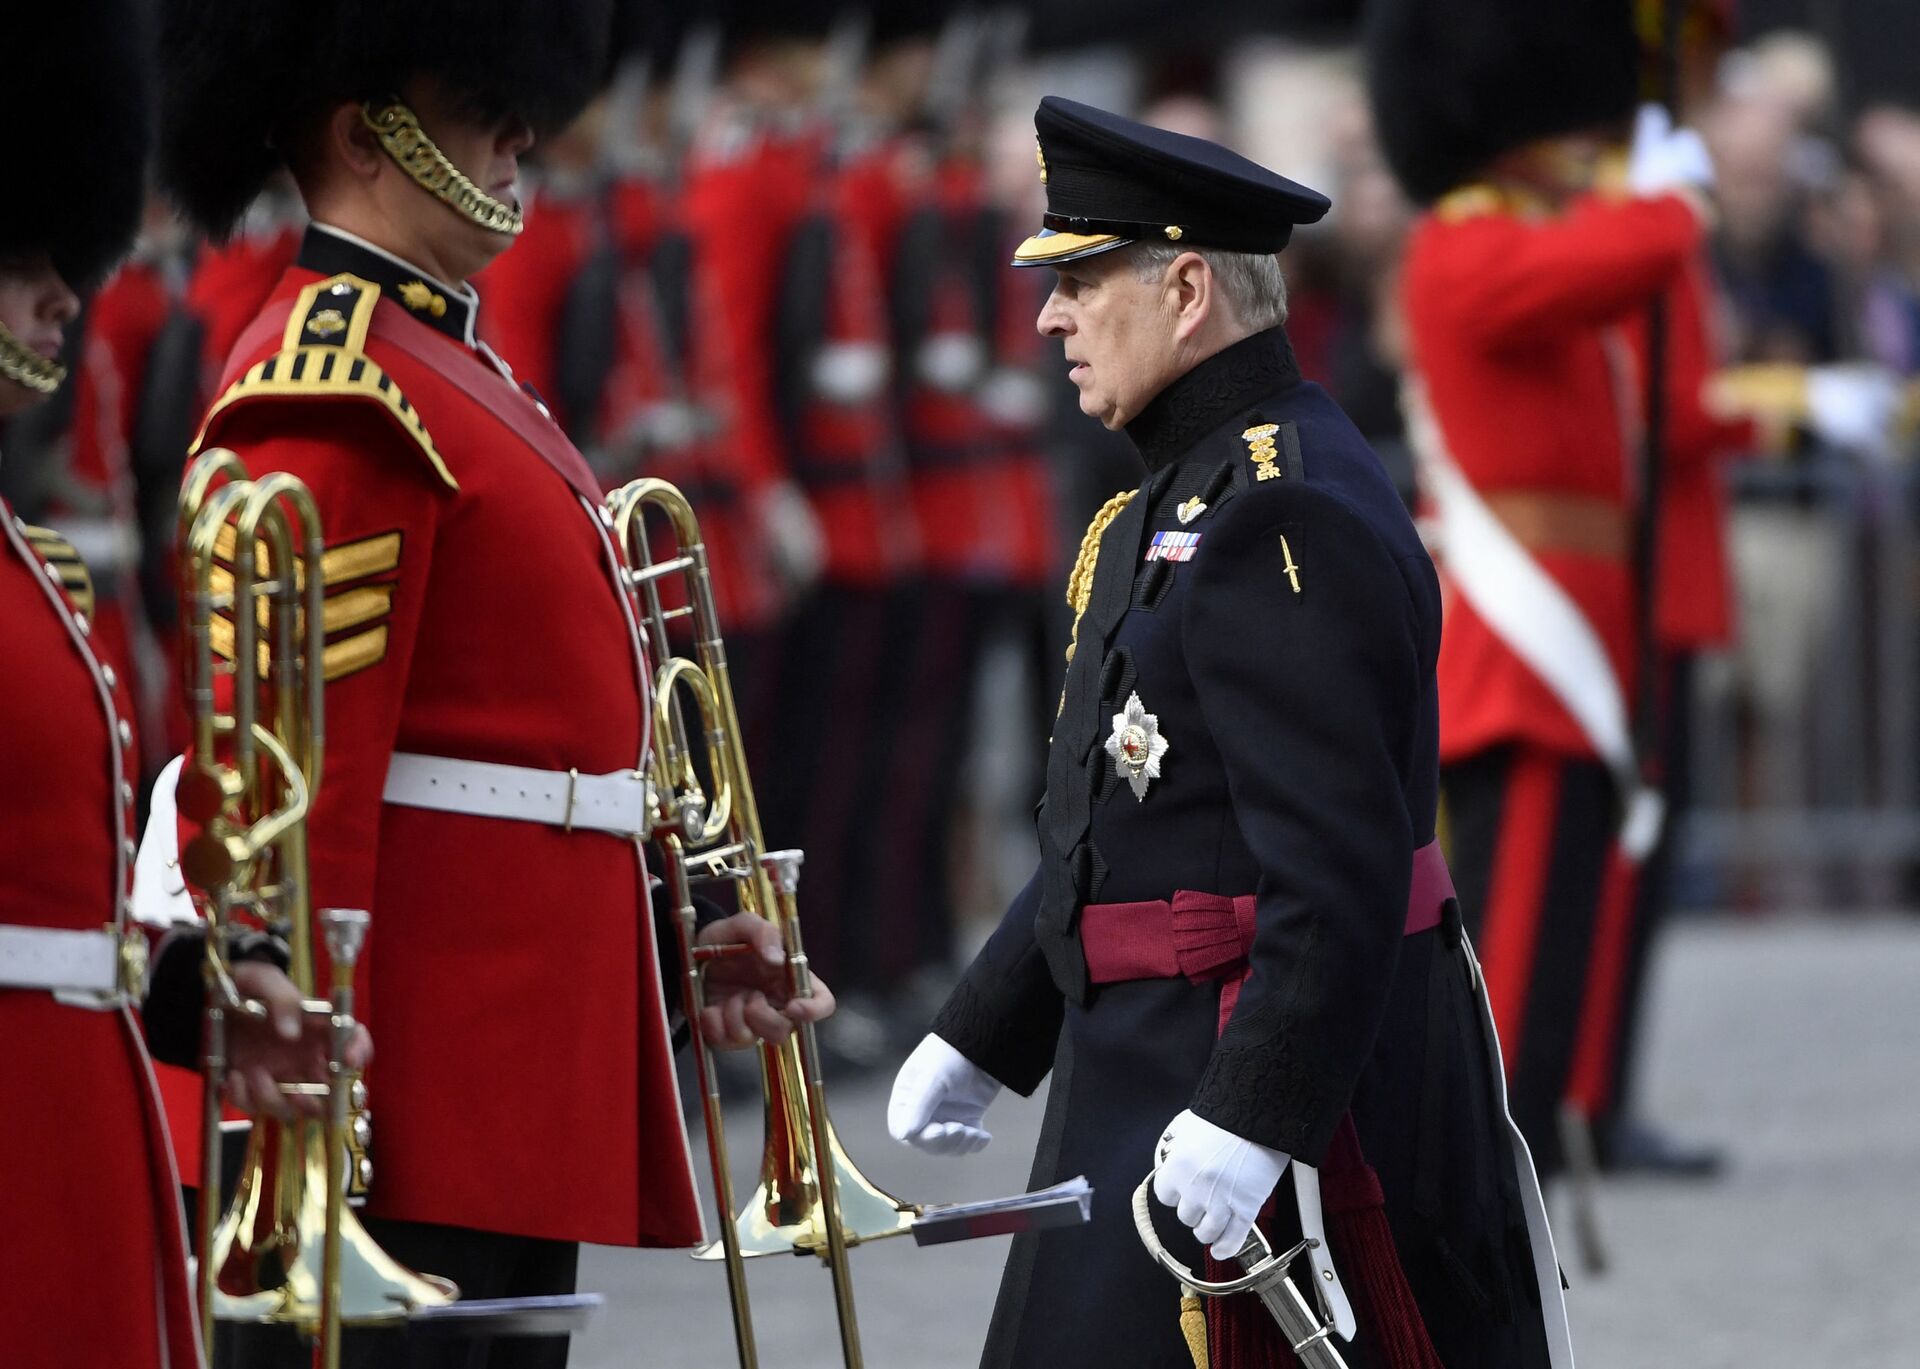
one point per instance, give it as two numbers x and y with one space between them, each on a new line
1664 157
940 1100
1853 406
792 530
1215 1181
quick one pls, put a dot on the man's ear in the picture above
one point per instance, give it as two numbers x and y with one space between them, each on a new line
350 143
1190 281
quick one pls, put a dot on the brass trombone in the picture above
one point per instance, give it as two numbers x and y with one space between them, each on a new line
289 1249
810 1199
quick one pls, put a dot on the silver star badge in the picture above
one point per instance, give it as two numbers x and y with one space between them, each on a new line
1136 745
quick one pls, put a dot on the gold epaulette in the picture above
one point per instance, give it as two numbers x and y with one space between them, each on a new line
58 552
323 355
1480 198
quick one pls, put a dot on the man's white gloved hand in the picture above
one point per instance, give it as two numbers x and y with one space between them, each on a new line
940 1100
1666 158
1216 1181
1853 406
794 537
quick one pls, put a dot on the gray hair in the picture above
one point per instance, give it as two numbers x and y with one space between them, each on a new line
1250 282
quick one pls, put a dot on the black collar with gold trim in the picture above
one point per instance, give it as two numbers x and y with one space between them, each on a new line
329 251
1251 370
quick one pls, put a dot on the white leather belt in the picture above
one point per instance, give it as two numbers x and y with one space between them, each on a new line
86 968
615 802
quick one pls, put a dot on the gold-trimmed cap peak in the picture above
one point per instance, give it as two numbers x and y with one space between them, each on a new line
1049 248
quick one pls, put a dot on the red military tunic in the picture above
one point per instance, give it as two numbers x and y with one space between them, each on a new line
1516 322
524 1078
96 1260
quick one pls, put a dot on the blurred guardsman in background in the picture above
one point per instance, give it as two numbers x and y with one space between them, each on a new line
93 1244
1240 950
828 355
487 692
1522 290
971 400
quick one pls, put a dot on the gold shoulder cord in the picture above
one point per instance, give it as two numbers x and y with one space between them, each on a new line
24 366
1080 582
420 157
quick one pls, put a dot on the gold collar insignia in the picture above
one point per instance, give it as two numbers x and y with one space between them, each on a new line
418 296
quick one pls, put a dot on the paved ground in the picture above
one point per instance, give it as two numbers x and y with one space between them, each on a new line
1795 1041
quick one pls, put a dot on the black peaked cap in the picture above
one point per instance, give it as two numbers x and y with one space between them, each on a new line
241 77
1111 181
76 73
1456 83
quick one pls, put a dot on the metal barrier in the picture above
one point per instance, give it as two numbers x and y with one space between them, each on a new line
1806 741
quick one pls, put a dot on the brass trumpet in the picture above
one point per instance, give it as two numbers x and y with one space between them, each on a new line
810 1199
288 1249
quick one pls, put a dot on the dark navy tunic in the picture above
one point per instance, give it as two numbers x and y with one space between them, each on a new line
1290 666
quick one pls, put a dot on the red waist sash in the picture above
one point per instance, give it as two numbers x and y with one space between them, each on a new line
1202 936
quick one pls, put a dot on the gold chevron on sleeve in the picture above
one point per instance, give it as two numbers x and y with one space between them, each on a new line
59 553
356 615
339 565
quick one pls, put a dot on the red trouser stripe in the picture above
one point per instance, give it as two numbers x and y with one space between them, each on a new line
1516 894
1592 1073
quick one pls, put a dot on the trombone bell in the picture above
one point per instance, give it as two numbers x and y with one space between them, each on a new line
785 1215
268 1263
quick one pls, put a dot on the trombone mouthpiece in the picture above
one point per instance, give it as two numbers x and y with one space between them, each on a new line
346 931
783 868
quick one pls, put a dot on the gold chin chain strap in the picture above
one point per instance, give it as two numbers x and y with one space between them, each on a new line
420 157
24 366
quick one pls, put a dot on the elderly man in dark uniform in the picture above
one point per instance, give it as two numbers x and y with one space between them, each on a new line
1240 950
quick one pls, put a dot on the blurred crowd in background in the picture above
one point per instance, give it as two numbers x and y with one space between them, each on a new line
769 265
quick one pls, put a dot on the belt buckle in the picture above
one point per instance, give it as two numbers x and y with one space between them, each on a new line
133 956
573 783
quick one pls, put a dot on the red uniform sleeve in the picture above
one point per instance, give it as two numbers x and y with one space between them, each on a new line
1508 281
380 506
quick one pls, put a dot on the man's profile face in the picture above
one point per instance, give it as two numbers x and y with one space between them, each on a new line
487 147
36 306
1116 332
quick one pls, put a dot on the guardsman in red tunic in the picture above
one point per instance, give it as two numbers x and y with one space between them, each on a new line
1521 293
487 690
91 1230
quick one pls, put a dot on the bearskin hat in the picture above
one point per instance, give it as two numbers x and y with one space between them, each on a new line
1455 83
75 74
243 77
